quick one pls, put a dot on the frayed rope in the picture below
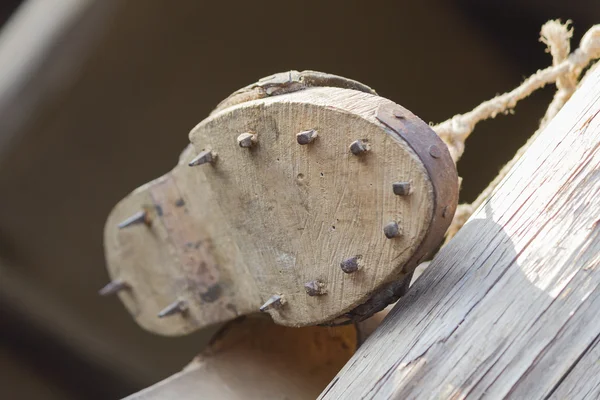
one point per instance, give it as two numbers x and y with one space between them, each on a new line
565 71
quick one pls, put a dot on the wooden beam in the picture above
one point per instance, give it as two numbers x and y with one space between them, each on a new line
252 358
509 308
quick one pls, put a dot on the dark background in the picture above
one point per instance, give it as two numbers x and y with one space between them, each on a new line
153 70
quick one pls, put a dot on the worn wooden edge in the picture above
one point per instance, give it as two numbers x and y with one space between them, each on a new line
289 82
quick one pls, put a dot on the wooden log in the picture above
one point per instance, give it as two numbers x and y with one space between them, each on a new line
509 308
255 359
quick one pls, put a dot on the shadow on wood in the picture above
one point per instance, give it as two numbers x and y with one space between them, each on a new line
509 307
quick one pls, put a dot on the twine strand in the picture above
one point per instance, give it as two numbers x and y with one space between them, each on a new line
565 72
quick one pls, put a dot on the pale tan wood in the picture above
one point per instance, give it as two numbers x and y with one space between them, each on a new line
509 308
256 359
265 220
310 207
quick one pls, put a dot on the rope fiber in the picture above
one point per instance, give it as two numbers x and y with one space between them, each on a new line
565 72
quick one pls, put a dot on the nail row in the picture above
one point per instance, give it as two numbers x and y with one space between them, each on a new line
249 139
312 288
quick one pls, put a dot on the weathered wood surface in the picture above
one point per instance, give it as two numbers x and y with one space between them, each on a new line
582 381
226 236
509 308
256 359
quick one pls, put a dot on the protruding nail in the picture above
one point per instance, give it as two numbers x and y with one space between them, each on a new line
306 137
401 188
176 307
114 287
204 157
140 217
391 230
247 139
434 151
315 288
399 114
350 265
275 301
358 147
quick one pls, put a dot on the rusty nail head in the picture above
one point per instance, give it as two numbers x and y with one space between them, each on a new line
204 157
275 301
247 139
177 307
401 188
114 287
434 151
398 113
358 147
314 288
140 217
391 230
306 137
350 265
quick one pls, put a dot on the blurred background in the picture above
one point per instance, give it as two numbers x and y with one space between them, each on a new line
97 98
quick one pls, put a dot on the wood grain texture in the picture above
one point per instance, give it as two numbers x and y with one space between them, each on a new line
256 359
265 220
582 381
508 309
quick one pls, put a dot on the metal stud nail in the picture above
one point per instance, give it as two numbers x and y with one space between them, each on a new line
350 265
114 287
358 147
275 301
315 288
177 307
401 188
399 114
434 151
247 139
204 157
140 217
306 137
391 230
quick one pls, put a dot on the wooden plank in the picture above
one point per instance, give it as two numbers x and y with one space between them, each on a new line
508 309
